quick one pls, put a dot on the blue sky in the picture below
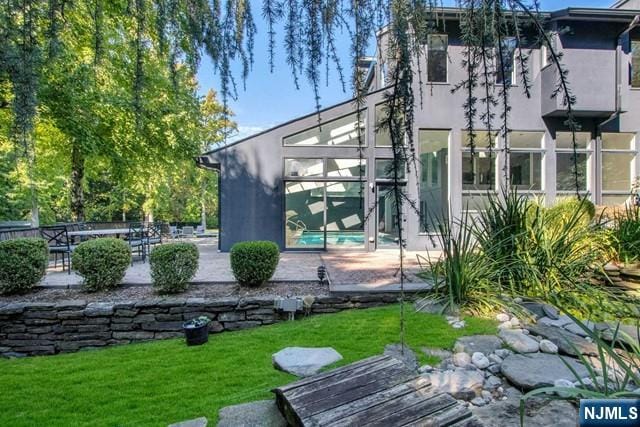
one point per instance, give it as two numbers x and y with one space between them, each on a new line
270 99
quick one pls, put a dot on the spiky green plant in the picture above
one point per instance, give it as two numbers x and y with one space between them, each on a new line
626 233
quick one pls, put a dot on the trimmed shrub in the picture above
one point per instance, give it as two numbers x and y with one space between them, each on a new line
253 263
101 262
172 266
23 263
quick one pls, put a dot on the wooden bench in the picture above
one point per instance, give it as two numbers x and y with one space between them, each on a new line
378 391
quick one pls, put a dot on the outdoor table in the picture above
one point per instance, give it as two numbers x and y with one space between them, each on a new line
99 233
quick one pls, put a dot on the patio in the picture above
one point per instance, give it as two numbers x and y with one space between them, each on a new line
348 271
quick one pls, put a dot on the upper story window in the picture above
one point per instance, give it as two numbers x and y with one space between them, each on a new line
437 45
635 63
505 61
340 132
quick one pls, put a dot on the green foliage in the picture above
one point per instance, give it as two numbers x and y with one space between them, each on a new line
612 374
253 263
172 266
626 234
101 262
136 380
23 263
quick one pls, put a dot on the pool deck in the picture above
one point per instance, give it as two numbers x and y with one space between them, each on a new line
349 271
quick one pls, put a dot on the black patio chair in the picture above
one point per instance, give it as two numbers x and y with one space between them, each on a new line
57 238
136 238
154 235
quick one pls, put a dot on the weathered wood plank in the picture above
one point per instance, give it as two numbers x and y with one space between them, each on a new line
351 408
338 372
409 406
350 391
335 381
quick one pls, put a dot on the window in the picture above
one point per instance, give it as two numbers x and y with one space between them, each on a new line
384 169
544 56
566 162
437 58
340 132
347 168
635 63
434 179
616 169
303 167
383 139
506 74
525 160
478 170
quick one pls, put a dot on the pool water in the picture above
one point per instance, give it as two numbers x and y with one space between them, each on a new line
336 238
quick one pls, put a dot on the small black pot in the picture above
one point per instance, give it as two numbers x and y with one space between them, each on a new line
196 336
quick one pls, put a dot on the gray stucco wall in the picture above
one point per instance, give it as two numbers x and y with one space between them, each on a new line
252 194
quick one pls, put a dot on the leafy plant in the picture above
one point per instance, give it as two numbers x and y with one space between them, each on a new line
197 322
172 266
23 263
626 233
101 262
254 262
613 374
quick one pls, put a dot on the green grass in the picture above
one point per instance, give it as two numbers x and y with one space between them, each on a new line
165 381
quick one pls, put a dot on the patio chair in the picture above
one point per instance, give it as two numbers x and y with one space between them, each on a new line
57 238
187 231
199 230
154 235
174 232
136 238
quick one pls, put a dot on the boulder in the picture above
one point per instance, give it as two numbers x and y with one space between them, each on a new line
519 342
560 322
262 413
574 328
485 344
626 333
303 361
460 383
531 371
480 360
408 357
567 342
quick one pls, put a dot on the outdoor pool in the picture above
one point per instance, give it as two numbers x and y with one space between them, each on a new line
337 238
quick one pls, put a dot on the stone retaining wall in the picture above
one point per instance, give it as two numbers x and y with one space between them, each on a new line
38 328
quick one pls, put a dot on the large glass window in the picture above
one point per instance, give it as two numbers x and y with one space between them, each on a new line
505 61
525 160
434 179
347 168
342 132
617 169
303 167
479 169
345 214
567 163
383 139
384 169
437 58
635 63
304 215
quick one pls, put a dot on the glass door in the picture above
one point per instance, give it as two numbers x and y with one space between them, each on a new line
386 217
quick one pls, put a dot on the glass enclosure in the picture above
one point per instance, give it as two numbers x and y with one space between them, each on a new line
434 179
342 132
387 229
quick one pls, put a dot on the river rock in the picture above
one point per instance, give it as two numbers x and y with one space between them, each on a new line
531 371
460 383
461 360
567 342
480 360
560 322
302 361
485 344
547 346
519 342
262 413
197 422
538 413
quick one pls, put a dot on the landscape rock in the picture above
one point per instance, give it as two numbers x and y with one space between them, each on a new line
531 371
494 368
485 344
492 382
502 317
303 361
494 358
538 413
560 322
567 342
547 346
519 342
408 357
263 413
198 422
503 353
576 329
425 369
478 401
461 360
626 333
461 383
436 352
458 325
480 360
505 325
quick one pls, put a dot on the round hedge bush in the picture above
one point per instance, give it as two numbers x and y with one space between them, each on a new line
253 263
172 266
101 262
23 263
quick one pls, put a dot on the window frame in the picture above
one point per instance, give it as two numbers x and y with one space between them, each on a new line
514 63
421 231
633 40
325 172
446 57
633 169
589 151
524 150
363 115
495 150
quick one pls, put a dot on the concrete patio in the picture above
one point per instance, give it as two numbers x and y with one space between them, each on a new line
349 271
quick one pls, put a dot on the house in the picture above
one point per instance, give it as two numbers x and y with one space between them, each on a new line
299 184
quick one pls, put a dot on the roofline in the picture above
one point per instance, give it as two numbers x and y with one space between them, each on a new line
595 14
617 4
315 113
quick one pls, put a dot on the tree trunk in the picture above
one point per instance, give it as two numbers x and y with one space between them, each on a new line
33 189
77 175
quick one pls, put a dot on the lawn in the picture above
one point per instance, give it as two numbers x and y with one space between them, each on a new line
160 382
